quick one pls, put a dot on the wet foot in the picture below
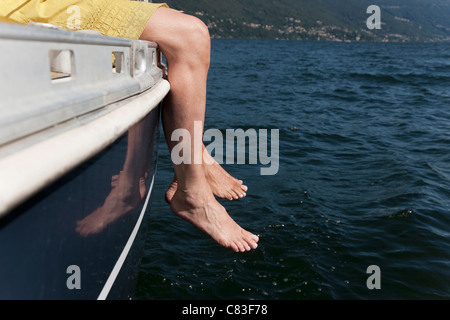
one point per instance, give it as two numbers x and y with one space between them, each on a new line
203 211
123 198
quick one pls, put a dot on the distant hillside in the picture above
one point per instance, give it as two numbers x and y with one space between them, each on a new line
344 20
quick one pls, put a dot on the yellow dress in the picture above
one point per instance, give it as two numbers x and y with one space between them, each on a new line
115 18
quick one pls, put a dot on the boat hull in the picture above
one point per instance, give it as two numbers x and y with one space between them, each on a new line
78 151
64 242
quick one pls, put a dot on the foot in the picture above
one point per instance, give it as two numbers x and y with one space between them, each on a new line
142 186
123 198
222 184
171 190
201 209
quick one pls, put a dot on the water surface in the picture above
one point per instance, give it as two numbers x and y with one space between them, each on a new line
364 176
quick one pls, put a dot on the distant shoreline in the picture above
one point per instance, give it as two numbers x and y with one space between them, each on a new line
337 41
325 20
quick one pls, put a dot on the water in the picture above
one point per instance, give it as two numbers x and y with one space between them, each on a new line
364 176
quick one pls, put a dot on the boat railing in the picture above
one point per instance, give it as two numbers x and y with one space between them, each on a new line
64 97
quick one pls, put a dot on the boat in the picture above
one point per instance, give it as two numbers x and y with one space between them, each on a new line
79 128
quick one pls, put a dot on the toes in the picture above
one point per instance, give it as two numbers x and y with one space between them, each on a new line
252 240
241 190
247 243
234 247
253 245
237 194
114 180
241 247
233 195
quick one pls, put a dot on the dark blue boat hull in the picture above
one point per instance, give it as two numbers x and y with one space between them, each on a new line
49 250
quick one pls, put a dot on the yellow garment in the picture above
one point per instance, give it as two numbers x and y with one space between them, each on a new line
114 18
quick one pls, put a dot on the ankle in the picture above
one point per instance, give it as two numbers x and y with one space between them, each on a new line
192 198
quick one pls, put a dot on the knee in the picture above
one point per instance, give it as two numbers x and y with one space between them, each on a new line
194 40
200 33
180 36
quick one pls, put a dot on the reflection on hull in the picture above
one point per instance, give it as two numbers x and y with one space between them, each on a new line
79 117
65 242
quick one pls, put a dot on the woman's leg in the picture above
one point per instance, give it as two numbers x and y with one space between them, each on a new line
185 42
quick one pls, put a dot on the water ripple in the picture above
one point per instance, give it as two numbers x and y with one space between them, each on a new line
364 176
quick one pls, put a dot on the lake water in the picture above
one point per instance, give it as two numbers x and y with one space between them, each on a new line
363 179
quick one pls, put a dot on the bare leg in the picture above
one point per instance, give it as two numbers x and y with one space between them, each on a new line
142 186
185 42
129 186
